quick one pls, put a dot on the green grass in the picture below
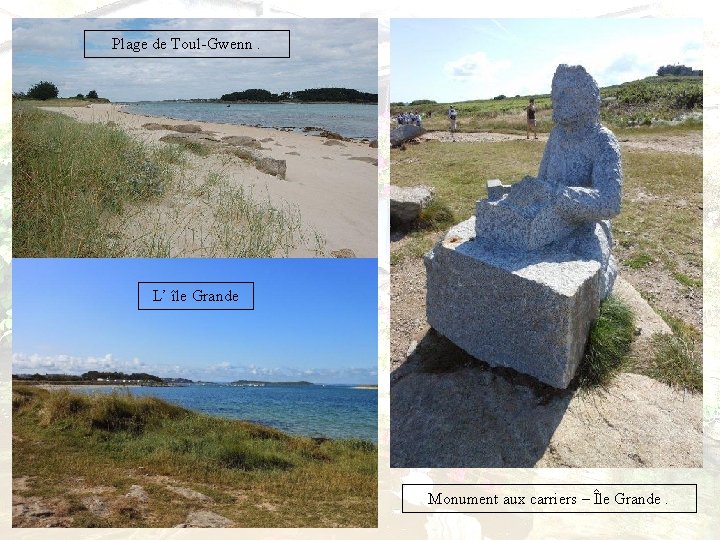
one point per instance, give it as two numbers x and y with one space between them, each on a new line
64 439
608 344
676 362
650 105
687 280
69 179
641 260
644 224
59 102
676 359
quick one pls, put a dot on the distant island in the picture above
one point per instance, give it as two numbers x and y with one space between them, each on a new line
342 95
94 377
244 382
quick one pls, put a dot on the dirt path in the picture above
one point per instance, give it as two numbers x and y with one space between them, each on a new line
685 143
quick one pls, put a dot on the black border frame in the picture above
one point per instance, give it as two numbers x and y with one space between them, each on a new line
197 283
194 30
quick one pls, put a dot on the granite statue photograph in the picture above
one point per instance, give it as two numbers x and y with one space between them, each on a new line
546 249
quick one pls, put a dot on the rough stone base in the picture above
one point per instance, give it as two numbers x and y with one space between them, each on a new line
530 311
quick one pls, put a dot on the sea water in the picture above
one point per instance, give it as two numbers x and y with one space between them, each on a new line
347 119
333 411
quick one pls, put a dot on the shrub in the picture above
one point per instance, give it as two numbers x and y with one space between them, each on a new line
43 90
92 94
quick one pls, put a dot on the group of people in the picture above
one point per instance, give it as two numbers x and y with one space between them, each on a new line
415 119
409 118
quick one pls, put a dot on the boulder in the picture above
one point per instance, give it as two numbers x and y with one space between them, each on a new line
186 128
407 202
242 140
344 253
275 167
404 133
205 519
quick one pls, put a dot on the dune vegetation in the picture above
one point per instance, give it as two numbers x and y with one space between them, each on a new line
116 460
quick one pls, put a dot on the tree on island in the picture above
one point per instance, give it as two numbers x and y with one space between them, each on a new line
345 95
679 69
335 94
92 94
253 94
43 90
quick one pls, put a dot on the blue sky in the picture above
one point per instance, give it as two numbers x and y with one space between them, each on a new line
462 59
325 53
315 320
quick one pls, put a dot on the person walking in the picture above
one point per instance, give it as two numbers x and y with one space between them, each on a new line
452 115
531 123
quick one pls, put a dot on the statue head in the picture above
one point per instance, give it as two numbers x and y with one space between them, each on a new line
575 96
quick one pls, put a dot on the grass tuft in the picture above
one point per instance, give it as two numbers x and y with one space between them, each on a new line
608 344
69 178
675 362
436 216
639 261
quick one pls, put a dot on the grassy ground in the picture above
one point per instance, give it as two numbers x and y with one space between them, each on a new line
70 446
653 103
77 186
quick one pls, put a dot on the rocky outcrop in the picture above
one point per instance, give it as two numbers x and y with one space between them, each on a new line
205 519
245 148
236 140
471 415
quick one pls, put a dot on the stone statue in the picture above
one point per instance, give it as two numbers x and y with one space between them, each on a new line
579 182
520 283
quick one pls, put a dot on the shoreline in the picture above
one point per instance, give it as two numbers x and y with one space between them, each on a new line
77 389
287 129
332 183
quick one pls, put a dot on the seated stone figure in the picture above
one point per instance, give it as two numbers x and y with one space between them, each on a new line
579 184
520 283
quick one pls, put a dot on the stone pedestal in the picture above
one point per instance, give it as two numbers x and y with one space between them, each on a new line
527 310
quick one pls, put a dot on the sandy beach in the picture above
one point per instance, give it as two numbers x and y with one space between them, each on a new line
331 184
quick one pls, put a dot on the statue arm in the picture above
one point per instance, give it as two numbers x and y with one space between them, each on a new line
602 200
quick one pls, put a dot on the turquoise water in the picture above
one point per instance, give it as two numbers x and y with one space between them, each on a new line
338 412
347 119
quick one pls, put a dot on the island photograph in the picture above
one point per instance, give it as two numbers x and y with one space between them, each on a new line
190 155
195 417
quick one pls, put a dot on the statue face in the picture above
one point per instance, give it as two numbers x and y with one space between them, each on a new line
575 98
567 103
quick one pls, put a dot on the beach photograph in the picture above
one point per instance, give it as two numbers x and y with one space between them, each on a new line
194 393
194 138
546 243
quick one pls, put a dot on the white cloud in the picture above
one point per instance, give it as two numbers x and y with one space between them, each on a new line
476 66
343 53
